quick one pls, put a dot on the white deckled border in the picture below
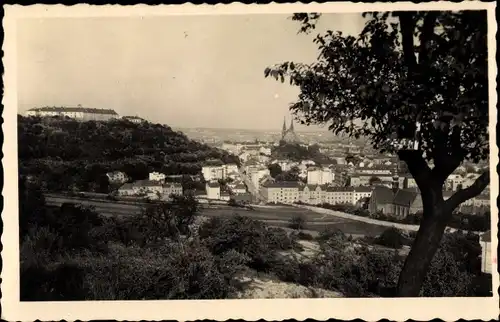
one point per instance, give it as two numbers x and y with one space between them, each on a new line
300 309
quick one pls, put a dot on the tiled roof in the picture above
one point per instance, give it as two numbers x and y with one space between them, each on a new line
213 184
383 195
405 197
371 174
74 109
340 189
146 183
126 186
315 186
242 197
282 184
172 184
362 189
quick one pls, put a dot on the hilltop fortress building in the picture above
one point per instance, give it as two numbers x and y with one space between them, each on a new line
79 113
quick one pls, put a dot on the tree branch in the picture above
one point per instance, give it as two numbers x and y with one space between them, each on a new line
470 192
417 166
426 37
407 22
447 157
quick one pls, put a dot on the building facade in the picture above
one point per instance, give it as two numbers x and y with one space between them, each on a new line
280 192
157 176
172 188
320 176
134 119
213 190
117 177
485 242
78 113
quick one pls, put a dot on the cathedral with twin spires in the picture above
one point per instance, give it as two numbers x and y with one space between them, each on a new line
288 135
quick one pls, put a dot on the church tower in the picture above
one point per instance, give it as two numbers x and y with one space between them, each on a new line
291 126
283 131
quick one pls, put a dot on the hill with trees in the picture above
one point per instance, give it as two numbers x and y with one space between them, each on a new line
64 154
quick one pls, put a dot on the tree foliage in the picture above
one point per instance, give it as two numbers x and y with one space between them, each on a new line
415 84
377 78
274 170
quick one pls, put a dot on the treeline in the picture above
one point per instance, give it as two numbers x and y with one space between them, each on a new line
64 154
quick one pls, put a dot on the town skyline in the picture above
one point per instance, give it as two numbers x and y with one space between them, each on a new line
224 87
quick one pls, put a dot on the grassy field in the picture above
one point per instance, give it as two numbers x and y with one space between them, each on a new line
275 216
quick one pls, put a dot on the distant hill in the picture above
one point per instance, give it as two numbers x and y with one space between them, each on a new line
66 154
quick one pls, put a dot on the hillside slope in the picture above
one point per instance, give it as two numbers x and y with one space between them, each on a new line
65 154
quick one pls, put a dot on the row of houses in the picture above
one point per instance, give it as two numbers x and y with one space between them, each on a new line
119 177
150 189
292 192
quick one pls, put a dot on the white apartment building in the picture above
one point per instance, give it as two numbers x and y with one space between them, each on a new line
157 176
375 170
117 177
257 174
265 151
453 181
290 192
485 242
216 172
281 192
285 165
213 190
320 176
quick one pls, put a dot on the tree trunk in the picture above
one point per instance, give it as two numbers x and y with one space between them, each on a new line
422 251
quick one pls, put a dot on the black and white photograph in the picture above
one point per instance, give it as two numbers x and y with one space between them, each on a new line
308 153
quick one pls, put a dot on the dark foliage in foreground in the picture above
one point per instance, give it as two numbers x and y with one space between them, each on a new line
145 257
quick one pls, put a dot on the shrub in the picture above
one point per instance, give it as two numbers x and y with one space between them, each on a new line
172 271
160 221
246 236
60 282
445 278
297 222
391 237
74 224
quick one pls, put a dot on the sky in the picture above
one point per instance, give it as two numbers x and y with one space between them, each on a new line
184 71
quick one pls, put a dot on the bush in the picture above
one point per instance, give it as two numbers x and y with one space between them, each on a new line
391 237
297 222
246 236
164 220
172 271
445 278
61 282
